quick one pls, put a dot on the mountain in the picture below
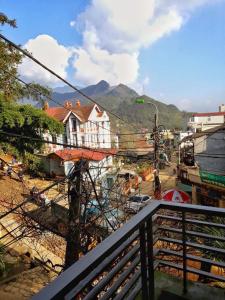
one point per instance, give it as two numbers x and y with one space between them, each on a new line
98 89
92 90
63 89
121 100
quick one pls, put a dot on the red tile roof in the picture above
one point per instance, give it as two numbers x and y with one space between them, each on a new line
83 111
60 113
76 154
209 114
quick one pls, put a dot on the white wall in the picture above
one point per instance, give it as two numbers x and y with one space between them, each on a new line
101 134
97 169
95 133
48 148
205 122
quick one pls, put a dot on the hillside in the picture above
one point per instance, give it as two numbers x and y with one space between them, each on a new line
121 100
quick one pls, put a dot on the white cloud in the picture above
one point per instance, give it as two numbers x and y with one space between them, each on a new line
128 26
141 86
93 64
72 23
48 51
115 31
185 104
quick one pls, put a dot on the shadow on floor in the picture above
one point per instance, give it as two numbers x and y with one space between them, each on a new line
169 296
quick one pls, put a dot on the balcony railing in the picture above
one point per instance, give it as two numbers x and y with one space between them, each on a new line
162 236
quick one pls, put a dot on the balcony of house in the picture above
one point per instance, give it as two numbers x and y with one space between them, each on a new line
166 251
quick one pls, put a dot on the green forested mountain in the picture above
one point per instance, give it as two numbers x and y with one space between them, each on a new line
121 100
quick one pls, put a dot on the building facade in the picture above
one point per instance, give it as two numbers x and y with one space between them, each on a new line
202 166
205 121
84 126
60 162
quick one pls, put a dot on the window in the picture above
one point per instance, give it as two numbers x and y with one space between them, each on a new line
75 139
209 118
82 140
74 125
65 139
54 139
81 127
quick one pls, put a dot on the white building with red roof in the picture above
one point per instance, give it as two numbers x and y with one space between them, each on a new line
60 162
205 121
85 126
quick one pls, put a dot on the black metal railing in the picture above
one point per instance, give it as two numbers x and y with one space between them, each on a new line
162 236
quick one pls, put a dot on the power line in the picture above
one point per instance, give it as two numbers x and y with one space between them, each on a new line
49 98
58 103
59 77
30 197
63 144
147 146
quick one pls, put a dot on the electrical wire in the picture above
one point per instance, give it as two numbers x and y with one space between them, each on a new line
30 198
69 110
59 77
64 144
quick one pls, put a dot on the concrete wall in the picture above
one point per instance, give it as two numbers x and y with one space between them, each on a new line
210 152
98 169
205 122
57 166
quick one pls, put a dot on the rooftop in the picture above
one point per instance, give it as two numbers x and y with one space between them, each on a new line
76 154
60 113
209 114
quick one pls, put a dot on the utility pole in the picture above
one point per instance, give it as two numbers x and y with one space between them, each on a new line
157 184
156 146
74 201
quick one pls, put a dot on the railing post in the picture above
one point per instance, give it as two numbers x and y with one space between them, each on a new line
184 254
144 276
151 278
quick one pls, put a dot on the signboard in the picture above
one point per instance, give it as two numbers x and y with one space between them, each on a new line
212 178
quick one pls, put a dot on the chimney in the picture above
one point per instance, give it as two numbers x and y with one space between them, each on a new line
222 108
45 106
78 103
68 104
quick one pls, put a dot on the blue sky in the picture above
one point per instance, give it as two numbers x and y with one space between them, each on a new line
169 49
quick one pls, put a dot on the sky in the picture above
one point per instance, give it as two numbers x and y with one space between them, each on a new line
171 50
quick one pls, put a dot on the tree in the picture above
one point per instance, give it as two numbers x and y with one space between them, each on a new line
20 119
24 120
10 58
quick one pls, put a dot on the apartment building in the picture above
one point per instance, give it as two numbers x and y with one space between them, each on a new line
205 121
